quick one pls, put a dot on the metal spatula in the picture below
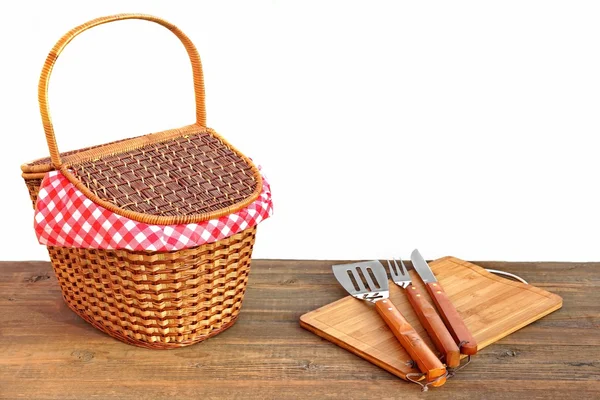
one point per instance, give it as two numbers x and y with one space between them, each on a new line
368 281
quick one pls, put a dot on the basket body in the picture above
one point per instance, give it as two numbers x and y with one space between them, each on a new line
158 300
155 299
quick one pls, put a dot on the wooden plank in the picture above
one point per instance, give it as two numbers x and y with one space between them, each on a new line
47 352
492 308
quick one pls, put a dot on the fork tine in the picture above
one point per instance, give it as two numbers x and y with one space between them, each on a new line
404 267
392 271
398 268
399 273
401 267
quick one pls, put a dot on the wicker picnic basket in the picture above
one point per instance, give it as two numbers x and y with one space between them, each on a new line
150 298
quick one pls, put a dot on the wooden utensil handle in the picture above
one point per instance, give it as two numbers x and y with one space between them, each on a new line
427 362
434 326
459 331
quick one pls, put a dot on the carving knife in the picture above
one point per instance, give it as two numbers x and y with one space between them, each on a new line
448 312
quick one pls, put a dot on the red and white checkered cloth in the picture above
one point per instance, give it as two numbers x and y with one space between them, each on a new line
65 217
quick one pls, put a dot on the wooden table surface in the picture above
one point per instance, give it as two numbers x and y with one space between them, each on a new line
47 352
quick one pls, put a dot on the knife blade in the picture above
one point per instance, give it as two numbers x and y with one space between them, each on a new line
454 322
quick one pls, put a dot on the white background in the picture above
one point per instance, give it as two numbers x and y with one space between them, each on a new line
464 128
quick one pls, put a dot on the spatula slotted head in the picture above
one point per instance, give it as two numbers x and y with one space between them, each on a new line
364 280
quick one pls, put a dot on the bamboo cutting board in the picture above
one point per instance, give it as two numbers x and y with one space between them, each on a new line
492 308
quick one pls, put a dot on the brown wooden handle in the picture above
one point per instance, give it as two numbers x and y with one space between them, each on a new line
434 326
459 331
422 355
62 43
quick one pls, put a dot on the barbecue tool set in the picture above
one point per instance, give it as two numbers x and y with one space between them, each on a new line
368 281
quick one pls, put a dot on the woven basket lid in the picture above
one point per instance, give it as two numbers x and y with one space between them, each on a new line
184 175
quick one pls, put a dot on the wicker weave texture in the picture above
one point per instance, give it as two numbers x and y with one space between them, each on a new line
33 186
157 300
184 176
46 161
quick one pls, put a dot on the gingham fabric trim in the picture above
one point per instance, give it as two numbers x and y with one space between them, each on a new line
65 217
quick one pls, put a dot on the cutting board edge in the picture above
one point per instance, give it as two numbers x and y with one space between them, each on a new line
530 321
321 332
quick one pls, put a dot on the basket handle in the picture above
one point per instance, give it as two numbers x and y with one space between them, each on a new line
62 43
